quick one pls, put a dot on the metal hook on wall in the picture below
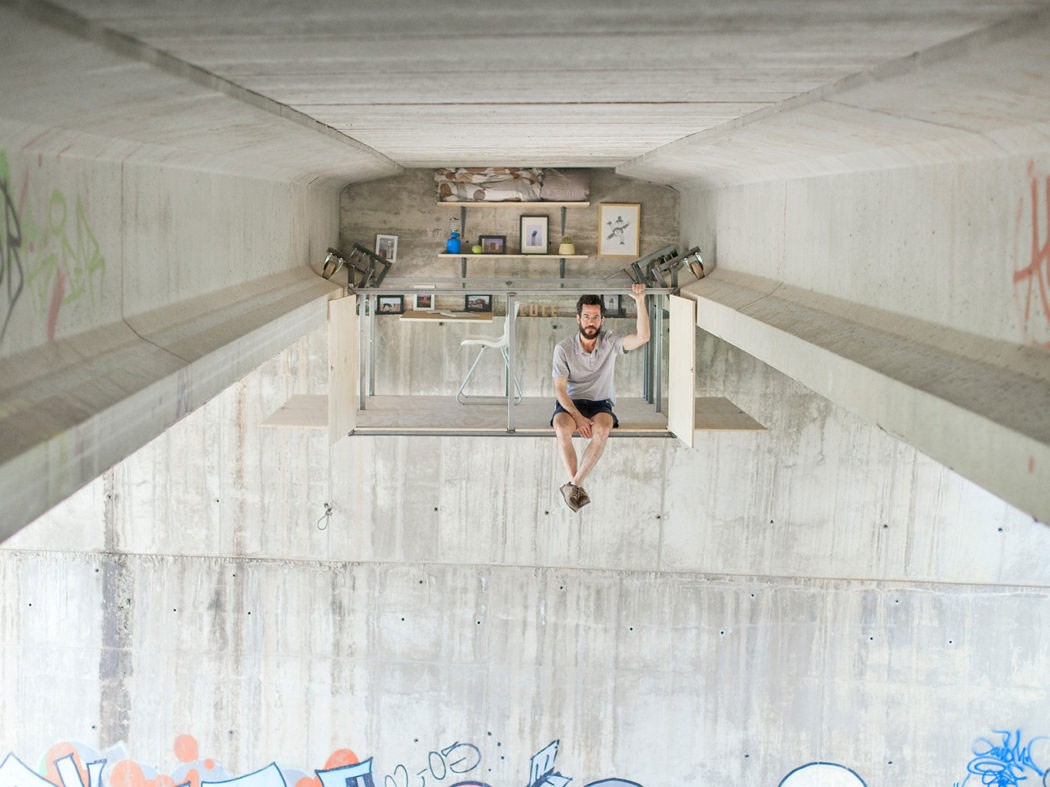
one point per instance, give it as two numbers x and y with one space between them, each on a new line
326 517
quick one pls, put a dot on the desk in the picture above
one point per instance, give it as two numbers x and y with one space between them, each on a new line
447 316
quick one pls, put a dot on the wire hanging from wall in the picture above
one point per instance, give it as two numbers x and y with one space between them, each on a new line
326 517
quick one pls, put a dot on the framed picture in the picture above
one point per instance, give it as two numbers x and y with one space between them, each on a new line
493 244
477 303
613 305
618 225
533 234
386 247
390 304
424 302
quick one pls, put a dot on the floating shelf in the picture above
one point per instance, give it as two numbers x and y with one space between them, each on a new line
511 204
472 256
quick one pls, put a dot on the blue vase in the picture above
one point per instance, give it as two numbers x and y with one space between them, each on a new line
452 244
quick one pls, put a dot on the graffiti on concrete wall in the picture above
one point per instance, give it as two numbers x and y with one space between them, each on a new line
12 276
1004 761
1032 267
822 774
454 765
442 766
49 251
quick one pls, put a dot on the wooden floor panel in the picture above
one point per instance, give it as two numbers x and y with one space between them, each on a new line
445 415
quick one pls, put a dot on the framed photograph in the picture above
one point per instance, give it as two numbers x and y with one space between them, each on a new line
618 229
493 244
477 303
386 247
533 234
390 304
613 305
424 302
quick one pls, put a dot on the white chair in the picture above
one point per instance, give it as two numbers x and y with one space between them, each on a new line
501 344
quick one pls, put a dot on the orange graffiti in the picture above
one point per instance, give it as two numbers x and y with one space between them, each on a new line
339 758
186 748
1037 274
127 773
56 753
193 778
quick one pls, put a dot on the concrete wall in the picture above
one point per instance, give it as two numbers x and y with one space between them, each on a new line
816 593
964 245
160 227
405 205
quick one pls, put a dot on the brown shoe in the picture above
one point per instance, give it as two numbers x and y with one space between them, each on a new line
571 493
582 498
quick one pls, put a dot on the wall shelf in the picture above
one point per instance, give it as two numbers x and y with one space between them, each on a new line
511 204
472 256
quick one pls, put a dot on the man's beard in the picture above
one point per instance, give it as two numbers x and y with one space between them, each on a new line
589 331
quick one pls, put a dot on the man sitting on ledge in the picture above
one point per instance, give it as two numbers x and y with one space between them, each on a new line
583 384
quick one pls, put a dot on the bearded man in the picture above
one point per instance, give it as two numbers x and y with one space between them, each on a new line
584 365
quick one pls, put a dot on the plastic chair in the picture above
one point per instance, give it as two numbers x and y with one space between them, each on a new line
501 344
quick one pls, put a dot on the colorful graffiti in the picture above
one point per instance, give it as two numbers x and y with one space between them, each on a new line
56 259
1032 281
458 758
822 774
12 276
1003 763
78 765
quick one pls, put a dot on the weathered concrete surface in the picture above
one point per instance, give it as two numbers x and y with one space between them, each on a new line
158 240
976 405
947 267
566 85
733 619
897 609
980 95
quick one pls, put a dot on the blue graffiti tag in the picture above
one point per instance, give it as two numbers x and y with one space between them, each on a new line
1004 763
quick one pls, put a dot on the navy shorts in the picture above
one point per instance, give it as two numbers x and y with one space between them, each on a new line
588 409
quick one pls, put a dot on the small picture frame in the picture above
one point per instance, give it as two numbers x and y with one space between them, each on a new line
477 303
533 234
390 304
493 244
386 247
423 302
613 305
618 229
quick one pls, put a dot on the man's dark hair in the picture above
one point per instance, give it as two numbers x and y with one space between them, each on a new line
589 300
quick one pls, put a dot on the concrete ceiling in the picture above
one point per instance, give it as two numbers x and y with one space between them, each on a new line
543 83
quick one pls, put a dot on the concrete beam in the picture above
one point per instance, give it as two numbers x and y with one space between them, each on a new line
72 408
976 405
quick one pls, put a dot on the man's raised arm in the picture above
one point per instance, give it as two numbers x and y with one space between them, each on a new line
641 332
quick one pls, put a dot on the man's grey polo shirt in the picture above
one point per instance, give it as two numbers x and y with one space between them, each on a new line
590 373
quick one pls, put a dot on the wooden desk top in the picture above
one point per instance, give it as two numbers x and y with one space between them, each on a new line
447 316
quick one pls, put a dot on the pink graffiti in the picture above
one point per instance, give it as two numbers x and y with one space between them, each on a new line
1034 279
69 764
58 291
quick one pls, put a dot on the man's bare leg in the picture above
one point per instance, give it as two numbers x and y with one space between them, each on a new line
602 424
564 426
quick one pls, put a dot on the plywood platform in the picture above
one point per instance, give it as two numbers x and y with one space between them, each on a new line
421 415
